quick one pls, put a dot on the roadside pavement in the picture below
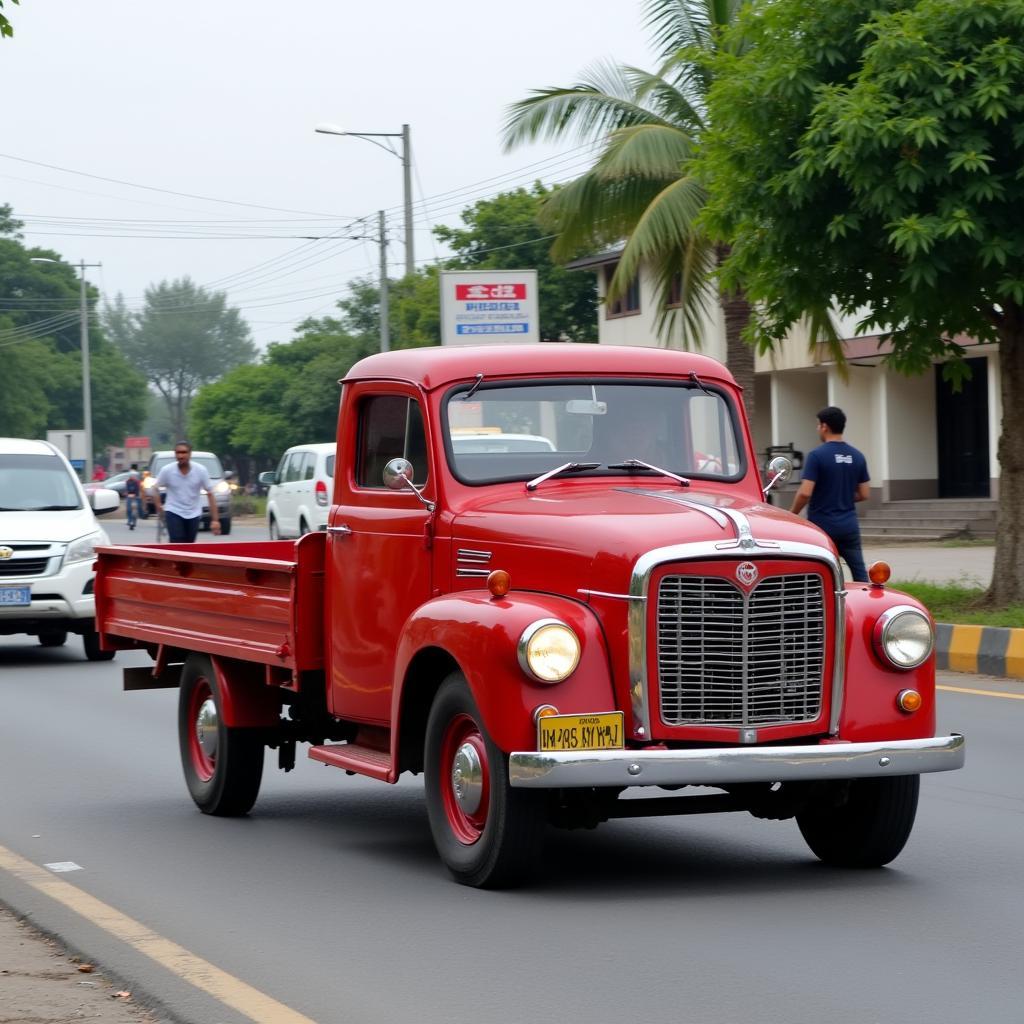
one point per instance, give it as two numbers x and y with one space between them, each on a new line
933 563
42 983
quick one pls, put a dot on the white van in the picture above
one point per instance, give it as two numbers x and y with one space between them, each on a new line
300 490
48 538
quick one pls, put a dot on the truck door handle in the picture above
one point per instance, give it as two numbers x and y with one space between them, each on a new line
342 529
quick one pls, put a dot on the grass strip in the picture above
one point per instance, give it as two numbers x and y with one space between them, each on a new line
956 603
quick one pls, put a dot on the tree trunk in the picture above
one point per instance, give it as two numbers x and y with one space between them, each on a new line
1007 585
739 356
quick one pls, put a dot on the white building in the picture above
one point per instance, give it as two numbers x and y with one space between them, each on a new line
921 440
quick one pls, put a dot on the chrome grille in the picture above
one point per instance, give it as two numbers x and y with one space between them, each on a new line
726 657
23 567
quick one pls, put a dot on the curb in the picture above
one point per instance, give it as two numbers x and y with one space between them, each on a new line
988 650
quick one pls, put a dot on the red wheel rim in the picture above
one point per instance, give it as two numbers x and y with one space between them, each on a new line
465 779
203 763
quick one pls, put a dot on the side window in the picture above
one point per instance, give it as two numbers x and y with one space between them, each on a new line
390 427
282 467
309 466
291 474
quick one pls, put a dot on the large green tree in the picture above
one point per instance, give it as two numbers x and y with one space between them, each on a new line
640 188
184 337
869 153
40 345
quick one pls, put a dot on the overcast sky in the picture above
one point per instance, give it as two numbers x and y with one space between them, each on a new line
219 100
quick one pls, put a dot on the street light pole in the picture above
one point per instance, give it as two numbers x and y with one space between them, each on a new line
406 157
86 376
410 258
385 327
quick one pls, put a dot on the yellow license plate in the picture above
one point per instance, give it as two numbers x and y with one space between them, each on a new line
581 732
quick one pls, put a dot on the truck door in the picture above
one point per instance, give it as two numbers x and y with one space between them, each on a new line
379 565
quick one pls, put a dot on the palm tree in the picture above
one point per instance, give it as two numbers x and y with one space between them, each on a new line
641 187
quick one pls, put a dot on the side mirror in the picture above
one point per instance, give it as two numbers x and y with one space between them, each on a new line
779 470
103 500
228 474
269 478
398 474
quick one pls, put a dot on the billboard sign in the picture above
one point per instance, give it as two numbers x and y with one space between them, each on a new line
485 306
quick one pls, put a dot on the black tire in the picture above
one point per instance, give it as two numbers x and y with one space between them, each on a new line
223 767
225 526
303 526
273 529
53 638
93 651
496 844
864 823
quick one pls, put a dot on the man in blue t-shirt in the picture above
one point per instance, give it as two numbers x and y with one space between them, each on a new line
835 477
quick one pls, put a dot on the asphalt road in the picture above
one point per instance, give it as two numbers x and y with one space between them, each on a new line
330 900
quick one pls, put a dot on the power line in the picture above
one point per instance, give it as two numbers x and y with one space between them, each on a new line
153 188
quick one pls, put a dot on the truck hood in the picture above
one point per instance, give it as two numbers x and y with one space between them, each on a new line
591 536
51 527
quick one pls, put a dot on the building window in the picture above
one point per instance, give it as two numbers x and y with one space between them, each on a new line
675 290
627 304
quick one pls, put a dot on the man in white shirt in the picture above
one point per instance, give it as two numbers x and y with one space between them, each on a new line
182 508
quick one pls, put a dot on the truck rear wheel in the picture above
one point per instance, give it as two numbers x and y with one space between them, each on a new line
223 767
91 645
488 834
864 823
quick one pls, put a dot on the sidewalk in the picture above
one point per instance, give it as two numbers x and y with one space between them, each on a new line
42 983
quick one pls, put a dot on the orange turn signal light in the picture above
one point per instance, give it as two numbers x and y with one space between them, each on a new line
879 573
544 711
909 701
499 582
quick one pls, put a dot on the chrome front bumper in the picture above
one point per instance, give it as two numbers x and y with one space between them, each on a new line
720 766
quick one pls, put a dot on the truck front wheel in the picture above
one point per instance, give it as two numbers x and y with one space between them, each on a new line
863 823
488 834
223 767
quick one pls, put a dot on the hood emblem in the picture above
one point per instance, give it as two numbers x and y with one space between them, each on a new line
746 573
6 552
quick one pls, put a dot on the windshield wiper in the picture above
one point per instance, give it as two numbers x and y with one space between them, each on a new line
569 467
51 508
632 465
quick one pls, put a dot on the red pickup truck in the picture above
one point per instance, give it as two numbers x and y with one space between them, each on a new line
589 612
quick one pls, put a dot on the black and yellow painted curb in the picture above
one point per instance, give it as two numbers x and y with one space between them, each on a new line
989 650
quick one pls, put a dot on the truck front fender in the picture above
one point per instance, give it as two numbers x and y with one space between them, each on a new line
872 684
481 634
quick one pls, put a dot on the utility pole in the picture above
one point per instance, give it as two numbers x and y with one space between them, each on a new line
385 327
86 377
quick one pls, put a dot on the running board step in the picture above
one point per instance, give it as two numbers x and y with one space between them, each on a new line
352 757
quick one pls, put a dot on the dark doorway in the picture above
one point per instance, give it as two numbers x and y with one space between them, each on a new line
963 433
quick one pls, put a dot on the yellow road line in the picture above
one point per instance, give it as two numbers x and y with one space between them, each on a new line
982 693
198 972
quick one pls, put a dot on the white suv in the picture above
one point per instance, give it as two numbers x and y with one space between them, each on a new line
300 490
48 537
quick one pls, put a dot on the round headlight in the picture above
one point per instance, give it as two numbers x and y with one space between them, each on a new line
549 650
903 636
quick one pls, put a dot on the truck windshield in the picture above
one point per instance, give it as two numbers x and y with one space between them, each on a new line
34 482
507 432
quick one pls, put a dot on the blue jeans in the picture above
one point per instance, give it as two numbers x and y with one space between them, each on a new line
850 552
133 509
180 530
